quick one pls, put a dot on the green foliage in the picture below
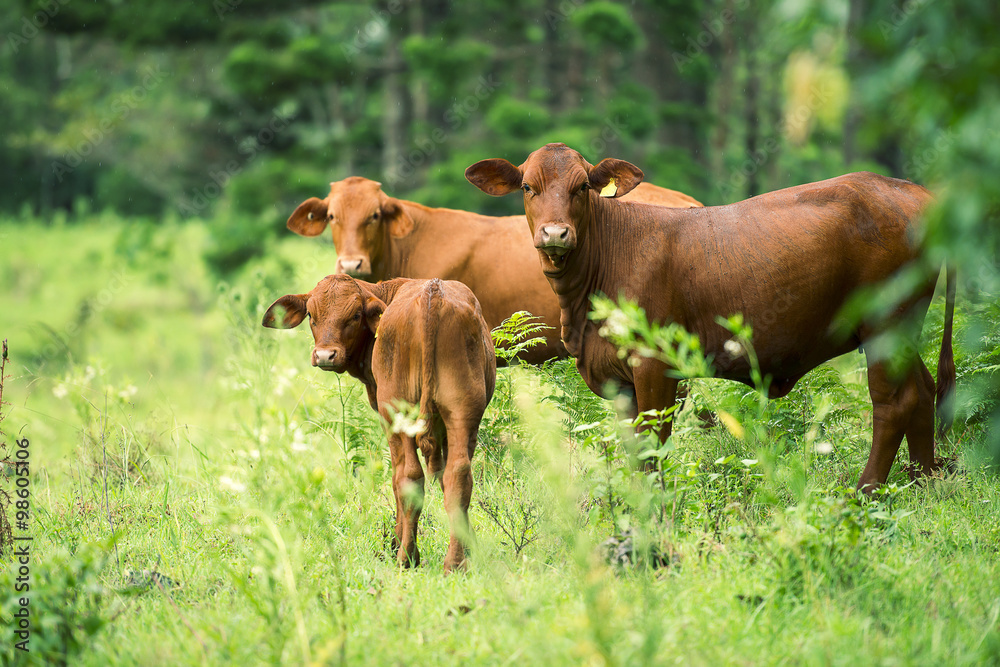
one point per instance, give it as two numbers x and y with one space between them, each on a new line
608 25
266 501
518 119
823 542
66 606
625 324
445 64
516 334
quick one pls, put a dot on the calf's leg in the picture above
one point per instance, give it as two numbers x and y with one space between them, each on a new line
457 485
408 487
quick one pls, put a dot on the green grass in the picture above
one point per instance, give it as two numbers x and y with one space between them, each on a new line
259 488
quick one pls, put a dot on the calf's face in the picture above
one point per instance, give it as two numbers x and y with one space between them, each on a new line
342 317
559 186
361 219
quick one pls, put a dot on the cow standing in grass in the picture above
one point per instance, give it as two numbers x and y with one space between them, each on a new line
788 261
423 342
378 237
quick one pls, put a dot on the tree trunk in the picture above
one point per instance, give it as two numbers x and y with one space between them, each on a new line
393 99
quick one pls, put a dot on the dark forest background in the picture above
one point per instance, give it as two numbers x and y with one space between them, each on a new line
234 105
229 113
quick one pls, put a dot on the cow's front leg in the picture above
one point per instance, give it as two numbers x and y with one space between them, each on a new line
654 390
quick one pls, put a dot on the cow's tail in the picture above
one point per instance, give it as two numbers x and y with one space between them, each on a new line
946 362
432 310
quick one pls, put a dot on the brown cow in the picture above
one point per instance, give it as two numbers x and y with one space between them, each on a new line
787 261
420 341
378 237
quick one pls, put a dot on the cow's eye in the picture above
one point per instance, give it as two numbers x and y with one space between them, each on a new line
375 215
526 188
585 186
357 316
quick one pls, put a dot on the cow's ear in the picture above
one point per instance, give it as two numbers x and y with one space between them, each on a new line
374 307
614 178
309 219
397 217
287 312
495 176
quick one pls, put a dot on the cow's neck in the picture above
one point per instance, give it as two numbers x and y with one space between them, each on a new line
362 367
384 290
582 276
605 256
438 247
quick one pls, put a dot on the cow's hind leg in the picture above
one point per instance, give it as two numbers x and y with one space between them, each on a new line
900 406
457 485
920 430
408 487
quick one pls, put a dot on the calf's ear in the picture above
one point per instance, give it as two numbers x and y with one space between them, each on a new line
618 176
287 312
309 219
495 176
396 216
374 307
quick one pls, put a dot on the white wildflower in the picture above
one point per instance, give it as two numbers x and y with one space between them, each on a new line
824 448
230 484
60 390
733 348
298 440
402 423
128 392
616 325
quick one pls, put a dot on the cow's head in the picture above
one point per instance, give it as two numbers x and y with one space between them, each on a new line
362 219
559 191
343 315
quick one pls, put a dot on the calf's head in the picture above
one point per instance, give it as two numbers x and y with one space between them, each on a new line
560 187
342 314
362 219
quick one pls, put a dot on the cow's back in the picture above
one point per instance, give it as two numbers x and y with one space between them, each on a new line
432 337
788 260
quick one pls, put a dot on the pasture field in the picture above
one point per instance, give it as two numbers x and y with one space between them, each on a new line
200 495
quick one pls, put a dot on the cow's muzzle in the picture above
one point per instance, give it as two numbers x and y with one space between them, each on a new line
555 239
330 358
355 266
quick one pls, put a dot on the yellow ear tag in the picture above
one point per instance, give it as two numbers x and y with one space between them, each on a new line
376 330
609 190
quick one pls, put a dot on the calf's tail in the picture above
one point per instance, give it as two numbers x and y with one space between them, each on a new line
432 308
946 362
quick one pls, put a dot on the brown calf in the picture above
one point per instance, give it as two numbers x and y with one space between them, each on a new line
787 261
378 237
420 341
